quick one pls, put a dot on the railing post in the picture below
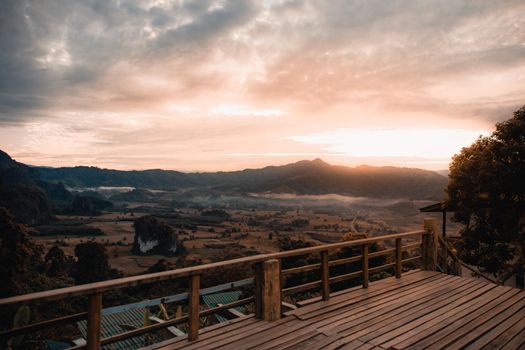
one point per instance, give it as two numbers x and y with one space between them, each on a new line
281 284
520 278
456 267
257 284
325 275
93 321
399 255
194 307
365 265
444 256
268 290
429 245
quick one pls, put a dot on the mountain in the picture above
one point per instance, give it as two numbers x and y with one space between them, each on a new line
303 177
30 199
319 177
20 193
83 176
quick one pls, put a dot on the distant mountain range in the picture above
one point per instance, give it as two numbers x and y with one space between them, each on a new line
33 193
303 177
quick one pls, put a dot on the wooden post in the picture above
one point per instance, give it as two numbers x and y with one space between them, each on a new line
444 256
456 267
325 275
429 245
520 278
399 258
365 266
257 284
93 321
281 283
444 224
194 307
270 290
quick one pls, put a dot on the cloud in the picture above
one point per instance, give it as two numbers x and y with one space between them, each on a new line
51 49
159 72
234 110
356 50
204 24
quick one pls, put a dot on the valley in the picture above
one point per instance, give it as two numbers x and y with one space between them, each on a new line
254 225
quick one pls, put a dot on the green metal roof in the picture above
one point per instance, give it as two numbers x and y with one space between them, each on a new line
117 323
57 345
213 300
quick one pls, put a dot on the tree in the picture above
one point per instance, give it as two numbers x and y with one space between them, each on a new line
20 257
92 264
57 263
487 190
154 236
22 270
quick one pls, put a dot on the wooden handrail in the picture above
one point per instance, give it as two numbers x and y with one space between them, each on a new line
302 287
167 323
412 246
342 261
266 297
454 256
42 325
97 287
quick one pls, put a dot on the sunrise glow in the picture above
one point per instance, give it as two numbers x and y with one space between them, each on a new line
424 143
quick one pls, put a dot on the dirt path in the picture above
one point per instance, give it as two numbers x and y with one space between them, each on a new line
352 224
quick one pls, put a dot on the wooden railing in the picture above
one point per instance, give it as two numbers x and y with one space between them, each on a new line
268 291
447 260
450 263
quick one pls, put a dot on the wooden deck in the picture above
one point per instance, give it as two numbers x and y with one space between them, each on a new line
421 310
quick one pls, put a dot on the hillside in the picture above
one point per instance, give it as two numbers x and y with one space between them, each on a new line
303 177
27 197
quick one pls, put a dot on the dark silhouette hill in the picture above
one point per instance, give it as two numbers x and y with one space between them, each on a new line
303 177
20 193
84 176
29 199
318 177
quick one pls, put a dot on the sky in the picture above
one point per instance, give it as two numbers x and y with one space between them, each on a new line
233 84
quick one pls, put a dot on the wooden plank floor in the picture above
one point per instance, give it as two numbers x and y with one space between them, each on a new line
422 310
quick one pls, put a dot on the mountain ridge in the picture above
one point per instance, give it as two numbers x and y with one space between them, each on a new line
23 193
302 177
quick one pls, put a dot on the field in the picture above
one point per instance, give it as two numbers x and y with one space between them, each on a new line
252 230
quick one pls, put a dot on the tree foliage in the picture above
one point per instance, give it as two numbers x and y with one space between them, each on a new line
20 257
150 229
23 270
487 191
57 263
92 264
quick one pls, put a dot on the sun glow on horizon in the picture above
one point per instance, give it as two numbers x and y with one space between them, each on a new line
424 143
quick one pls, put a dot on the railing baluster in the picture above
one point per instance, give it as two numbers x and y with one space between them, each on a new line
365 265
444 258
325 275
257 285
194 307
399 259
93 321
270 289
520 278
281 284
429 245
